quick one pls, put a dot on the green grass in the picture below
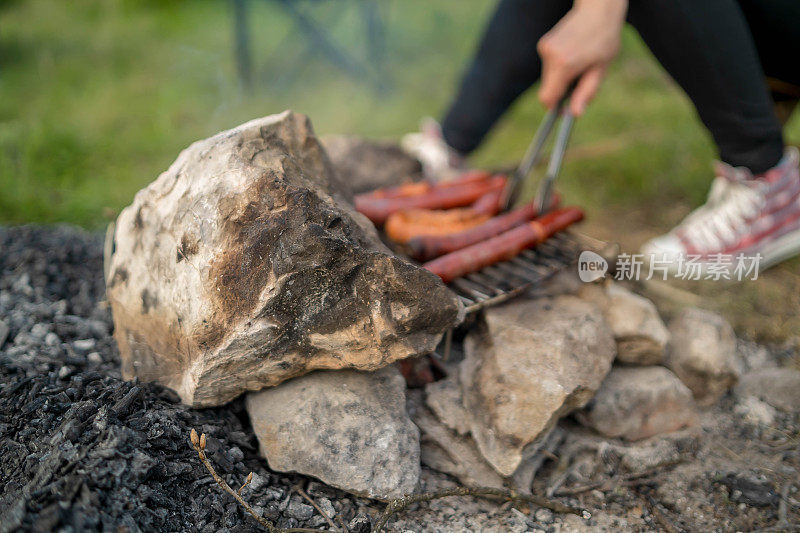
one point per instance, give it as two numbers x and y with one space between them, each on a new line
97 97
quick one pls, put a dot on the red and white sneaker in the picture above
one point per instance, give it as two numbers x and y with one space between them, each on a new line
744 216
439 161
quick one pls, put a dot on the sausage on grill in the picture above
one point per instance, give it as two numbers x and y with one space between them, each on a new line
425 247
504 246
445 195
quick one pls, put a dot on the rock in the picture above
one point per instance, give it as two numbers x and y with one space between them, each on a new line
366 165
637 327
360 524
84 346
753 356
755 411
445 400
778 387
530 363
750 489
638 402
347 428
534 457
4 331
543 515
445 450
446 445
299 510
702 353
245 264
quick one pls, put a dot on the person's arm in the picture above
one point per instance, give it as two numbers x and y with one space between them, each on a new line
580 46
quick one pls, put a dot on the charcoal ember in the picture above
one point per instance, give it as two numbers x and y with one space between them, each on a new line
84 450
247 258
750 489
360 524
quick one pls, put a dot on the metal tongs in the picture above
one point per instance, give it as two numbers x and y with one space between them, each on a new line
534 153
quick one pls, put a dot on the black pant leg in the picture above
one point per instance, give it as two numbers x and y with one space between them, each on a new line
775 25
505 65
707 47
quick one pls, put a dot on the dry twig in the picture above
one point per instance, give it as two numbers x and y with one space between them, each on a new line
199 444
399 504
308 498
392 507
659 515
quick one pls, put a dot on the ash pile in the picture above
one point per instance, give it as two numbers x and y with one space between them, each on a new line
251 301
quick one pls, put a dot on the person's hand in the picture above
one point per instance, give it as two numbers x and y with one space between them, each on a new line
580 46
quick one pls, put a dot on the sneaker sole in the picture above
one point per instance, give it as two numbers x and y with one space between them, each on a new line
781 249
773 253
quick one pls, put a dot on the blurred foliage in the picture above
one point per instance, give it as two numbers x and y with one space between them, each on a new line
98 96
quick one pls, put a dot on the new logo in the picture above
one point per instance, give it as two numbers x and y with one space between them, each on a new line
591 266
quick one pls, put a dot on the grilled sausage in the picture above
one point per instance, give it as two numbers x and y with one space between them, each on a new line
489 203
425 247
439 196
423 187
402 226
504 246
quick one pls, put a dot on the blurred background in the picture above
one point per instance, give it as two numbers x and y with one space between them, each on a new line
97 97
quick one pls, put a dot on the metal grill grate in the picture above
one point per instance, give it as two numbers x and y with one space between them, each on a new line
502 281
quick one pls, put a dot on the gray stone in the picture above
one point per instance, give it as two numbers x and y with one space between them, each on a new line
299 510
445 400
702 353
543 515
366 165
755 411
638 329
347 428
39 331
754 356
530 363
445 450
259 482
533 456
360 524
638 402
84 345
778 387
4 331
245 264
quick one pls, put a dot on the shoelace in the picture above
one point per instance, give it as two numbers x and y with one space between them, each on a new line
722 221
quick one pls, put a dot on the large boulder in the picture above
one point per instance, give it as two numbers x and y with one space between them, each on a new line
639 402
245 264
366 165
530 363
347 428
702 353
